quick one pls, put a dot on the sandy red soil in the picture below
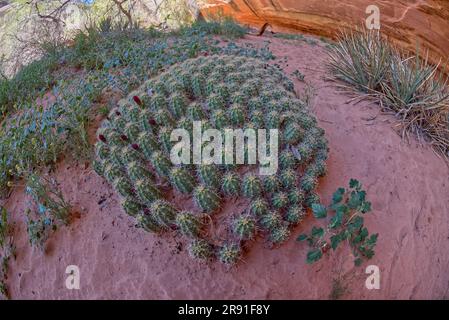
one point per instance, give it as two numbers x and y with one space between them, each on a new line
407 183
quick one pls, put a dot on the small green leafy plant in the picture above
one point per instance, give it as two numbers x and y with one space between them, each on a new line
48 208
345 224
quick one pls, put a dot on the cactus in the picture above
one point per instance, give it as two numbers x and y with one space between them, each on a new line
128 155
146 191
273 120
161 163
102 151
287 160
174 86
279 234
136 171
120 123
271 183
200 249
182 180
231 184
244 227
271 220
132 114
195 112
259 207
293 133
146 120
305 151
255 104
158 102
229 253
311 199
148 223
318 168
239 98
115 155
215 101
98 166
249 88
164 138
236 115
206 199
295 214
123 187
132 131
147 142
178 103
185 123
219 119
220 91
288 178
198 84
114 139
163 212
131 206
257 117
308 182
163 118
252 187
188 224
210 175
112 172
279 200
296 196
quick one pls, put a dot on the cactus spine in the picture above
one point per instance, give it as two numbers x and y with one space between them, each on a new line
200 249
279 234
188 224
229 253
182 180
231 184
252 187
209 175
206 199
271 220
271 183
288 178
295 214
279 200
163 212
146 191
244 227
131 206
161 163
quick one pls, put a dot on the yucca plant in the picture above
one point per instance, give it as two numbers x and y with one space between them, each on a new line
361 59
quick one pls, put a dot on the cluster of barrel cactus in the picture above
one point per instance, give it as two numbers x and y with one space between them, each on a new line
133 153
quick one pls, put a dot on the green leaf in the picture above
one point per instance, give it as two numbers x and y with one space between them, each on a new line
335 241
355 225
338 195
336 220
354 200
301 237
365 207
354 184
319 211
313 256
317 232
358 262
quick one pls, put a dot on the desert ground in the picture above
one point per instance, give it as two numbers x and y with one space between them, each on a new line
406 181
